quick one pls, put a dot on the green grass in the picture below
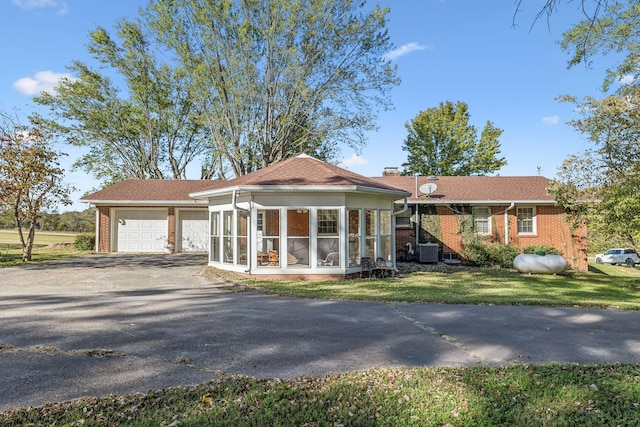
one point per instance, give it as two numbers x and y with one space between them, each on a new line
549 395
47 246
604 286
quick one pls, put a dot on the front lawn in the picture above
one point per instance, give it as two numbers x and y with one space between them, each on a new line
549 395
603 286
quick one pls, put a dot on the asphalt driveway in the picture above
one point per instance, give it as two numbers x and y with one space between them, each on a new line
118 324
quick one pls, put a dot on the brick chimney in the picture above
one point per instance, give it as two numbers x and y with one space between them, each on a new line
391 171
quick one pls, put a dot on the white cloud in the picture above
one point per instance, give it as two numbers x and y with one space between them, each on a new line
33 4
626 79
405 49
354 160
63 9
551 120
42 81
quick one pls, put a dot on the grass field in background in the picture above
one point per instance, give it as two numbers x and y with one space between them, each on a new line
47 246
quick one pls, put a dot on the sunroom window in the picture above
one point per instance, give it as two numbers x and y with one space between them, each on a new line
328 237
385 235
268 238
371 230
297 238
354 236
215 236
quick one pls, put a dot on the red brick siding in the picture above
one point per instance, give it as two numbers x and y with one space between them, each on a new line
104 229
441 225
171 234
297 223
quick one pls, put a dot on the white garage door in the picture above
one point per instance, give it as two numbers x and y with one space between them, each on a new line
194 227
141 230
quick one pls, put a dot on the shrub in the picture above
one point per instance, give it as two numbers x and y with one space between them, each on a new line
85 242
492 254
541 250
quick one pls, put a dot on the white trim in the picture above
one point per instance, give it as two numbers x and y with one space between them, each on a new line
146 203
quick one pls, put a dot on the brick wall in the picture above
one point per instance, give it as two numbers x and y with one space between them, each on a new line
444 225
297 223
104 229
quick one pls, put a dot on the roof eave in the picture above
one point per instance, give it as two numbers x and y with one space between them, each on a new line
429 201
144 202
299 189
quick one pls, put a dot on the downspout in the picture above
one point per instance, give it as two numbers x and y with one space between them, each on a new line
234 203
404 209
506 223
97 230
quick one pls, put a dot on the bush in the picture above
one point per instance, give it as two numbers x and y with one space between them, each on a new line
85 242
489 255
541 250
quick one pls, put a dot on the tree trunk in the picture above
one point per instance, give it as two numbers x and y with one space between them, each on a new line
27 247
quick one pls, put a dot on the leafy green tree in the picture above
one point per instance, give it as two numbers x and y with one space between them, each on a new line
615 31
280 77
31 180
149 126
602 185
442 142
608 173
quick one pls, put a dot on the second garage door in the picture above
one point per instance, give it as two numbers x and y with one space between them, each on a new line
143 230
194 229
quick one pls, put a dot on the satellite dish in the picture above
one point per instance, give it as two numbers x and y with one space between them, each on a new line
428 188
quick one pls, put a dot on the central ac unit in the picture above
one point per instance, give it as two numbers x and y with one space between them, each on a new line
427 252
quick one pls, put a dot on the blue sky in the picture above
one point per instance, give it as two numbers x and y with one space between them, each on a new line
447 50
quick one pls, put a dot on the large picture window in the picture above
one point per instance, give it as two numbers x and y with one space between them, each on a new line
526 220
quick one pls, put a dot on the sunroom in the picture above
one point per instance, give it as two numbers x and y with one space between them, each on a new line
301 217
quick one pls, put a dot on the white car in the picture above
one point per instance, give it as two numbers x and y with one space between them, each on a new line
615 256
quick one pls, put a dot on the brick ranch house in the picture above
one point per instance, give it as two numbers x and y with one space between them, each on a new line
304 217
511 210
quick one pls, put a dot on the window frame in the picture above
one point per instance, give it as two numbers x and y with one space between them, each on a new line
519 221
476 217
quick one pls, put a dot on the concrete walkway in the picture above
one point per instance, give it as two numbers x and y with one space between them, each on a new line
118 324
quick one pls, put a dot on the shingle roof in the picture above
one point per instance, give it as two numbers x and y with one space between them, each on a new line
152 190
307 172
467 189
